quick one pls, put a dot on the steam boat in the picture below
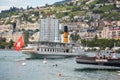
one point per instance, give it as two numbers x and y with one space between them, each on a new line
47 49
51 50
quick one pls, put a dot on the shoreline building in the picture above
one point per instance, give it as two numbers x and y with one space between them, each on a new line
111 32
49 29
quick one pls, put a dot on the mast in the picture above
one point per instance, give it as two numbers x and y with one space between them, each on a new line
48 26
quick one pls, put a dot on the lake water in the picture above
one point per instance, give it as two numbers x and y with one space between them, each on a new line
12 68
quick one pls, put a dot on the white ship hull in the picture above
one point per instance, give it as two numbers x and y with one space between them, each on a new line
36 55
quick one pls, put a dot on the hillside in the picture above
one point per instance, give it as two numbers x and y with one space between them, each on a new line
106 9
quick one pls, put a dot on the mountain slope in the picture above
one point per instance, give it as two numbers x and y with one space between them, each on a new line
61 2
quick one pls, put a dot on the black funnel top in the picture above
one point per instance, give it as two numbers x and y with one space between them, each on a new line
65 29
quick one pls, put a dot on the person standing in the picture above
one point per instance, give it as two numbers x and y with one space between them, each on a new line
114 55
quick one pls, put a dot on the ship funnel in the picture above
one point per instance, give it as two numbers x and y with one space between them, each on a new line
65 34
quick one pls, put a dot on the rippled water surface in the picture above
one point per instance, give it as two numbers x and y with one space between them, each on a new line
13 66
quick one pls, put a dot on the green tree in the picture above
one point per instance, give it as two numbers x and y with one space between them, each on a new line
75 37
11 44
26 36
102 43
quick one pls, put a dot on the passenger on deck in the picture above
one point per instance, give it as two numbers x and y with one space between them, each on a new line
104 57
110 56
100 56
114 55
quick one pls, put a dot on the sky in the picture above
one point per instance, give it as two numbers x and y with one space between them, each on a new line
6 4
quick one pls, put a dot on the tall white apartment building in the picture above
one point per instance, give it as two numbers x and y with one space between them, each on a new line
49 29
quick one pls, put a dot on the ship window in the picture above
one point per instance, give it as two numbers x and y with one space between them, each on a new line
37 49
48 50
45 50
41 49
53 50
67 50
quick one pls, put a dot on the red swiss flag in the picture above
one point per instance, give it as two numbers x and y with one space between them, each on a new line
19 44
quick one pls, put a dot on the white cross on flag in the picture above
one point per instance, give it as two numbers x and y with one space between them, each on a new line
19 44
